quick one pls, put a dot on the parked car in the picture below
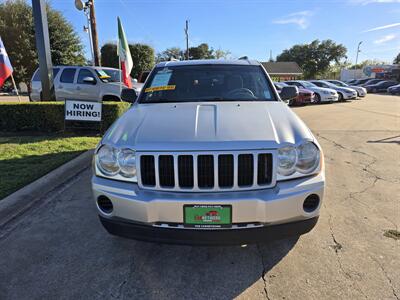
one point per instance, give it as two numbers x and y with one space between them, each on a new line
361 81
395 89
361 91
344 93
82 83
371 81
305 96
381 86
352 81
208 154
320 94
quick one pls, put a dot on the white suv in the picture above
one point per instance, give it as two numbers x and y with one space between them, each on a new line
208 154
82 83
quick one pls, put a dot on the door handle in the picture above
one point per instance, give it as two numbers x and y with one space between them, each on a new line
78 87
60 86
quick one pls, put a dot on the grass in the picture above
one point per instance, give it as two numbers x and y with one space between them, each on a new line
24 159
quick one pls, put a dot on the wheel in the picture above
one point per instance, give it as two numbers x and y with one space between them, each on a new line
340 97
374 91
317 98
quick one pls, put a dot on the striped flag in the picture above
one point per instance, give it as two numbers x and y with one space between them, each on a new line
5 64
124 56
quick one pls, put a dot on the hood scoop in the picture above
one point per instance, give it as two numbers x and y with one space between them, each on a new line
206 121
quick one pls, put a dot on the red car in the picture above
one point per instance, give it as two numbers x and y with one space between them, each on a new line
305 96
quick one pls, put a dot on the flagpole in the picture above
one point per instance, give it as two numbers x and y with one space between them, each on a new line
15 87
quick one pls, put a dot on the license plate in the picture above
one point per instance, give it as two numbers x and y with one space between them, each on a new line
207 216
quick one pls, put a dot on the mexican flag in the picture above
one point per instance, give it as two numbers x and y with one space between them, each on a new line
124 56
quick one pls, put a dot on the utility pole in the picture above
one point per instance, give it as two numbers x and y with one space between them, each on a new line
93 28
270 56
43 47
358 51
187 39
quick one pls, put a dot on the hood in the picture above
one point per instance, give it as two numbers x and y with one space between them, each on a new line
137 86
355 87
303 90
345 90
321 89
207 126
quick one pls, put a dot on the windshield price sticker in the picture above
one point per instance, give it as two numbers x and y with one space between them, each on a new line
161 79
160 88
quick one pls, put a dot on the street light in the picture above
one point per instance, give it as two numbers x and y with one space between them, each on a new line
88 9
358 51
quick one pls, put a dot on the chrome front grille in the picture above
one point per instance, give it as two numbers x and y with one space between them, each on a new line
206 172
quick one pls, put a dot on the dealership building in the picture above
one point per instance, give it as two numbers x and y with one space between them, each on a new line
283 70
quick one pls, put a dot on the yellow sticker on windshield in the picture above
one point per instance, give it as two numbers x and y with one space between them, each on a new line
160 88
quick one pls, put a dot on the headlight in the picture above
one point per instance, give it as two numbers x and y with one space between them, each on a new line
287 160
326 92
107 160
298 161
115 163
308 158
127 162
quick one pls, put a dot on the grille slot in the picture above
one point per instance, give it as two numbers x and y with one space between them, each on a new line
185 171
166 170
205 171
225 170
245 169
148 174
264 169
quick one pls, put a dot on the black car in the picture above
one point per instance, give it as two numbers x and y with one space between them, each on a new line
380 86
361 81
395 89
372 81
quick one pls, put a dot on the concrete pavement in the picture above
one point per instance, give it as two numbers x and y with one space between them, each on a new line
59 249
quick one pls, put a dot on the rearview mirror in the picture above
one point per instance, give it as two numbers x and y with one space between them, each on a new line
89 79
289 92
129 95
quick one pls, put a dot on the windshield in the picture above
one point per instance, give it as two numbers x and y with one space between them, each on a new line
339 83
108 75
207 83
330 84
308 84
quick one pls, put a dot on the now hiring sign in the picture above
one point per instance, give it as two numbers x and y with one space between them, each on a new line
82 111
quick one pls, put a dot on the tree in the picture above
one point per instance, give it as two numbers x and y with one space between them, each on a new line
397 59
142 57
219 53
367 62
109 55
202 51
314 58
170 53
18 34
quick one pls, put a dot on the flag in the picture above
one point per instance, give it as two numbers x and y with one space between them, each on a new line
124 56
5 64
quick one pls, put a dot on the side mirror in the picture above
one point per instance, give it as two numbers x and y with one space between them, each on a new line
89 79
289 92
129 95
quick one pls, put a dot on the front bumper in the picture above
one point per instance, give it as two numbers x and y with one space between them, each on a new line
258 208
348 96
145 232
329 98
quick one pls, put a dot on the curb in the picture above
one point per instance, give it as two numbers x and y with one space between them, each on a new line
20 201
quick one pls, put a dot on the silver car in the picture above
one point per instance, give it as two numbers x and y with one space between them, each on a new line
208 154
82 83
361 91
343 93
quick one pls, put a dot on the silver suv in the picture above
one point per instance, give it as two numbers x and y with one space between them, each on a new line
208 154
82 83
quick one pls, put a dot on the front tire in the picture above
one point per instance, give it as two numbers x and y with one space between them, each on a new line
340 99
317 99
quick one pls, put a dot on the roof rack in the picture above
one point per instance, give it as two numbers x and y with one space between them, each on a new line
244 58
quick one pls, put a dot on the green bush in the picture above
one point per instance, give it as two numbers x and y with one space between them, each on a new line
48 116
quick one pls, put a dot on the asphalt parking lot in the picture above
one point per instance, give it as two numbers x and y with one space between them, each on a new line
59 249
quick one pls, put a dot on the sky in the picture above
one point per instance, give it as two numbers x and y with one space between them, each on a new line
248 27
